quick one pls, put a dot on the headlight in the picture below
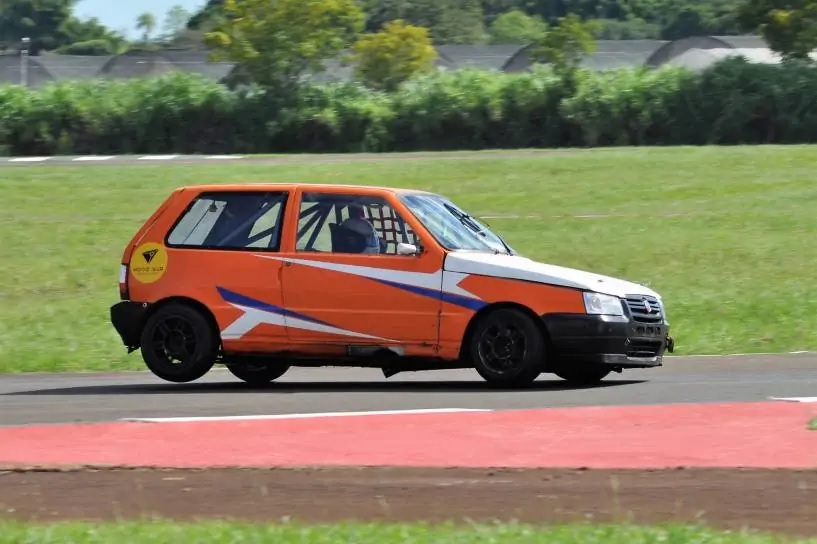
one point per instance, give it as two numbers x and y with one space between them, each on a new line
598 304
664 313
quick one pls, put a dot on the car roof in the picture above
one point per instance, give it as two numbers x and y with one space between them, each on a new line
238 186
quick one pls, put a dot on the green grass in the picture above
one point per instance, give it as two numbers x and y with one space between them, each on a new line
727 235
160 533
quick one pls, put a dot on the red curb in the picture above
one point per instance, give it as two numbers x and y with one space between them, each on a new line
757 435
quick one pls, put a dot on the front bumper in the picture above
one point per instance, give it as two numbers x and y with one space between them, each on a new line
613 341
128 317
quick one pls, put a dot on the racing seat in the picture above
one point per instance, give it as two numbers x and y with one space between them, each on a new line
345 240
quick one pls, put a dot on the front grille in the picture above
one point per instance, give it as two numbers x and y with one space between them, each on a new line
644 309
643 348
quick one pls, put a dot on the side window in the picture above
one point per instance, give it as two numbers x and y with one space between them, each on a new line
248 220
349 223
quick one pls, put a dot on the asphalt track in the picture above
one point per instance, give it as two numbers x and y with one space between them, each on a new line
68 398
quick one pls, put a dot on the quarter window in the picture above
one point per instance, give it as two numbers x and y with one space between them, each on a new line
248 220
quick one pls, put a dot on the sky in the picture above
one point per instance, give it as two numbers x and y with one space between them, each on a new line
121 15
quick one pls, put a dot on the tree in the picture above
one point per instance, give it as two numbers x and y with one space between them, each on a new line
789 27
448 21
90 37
566 44
516 27
633 28
146 22
385 59
202 18
40 20
89 48
278 41
175 22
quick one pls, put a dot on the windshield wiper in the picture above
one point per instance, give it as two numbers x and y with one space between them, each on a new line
504 243
464 218
469 222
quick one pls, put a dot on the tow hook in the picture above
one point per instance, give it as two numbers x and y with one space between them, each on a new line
670 344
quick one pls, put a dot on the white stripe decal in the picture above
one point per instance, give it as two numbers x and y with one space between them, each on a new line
427 280
247 322
795 399
253 317
300 416
320 327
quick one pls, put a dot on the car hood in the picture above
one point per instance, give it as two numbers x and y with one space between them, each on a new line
522 268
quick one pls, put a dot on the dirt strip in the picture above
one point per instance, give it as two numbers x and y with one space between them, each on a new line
777 500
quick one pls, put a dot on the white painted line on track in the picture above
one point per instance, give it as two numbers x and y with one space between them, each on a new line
157 157
29 159
94 158
795 399
300 416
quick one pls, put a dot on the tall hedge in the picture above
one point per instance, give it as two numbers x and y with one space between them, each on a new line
731 103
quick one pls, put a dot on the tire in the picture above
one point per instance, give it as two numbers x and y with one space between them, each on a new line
257 374
583 374
507 348
178 332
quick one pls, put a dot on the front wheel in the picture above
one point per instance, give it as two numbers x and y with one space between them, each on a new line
583 374
507 348
178 343
257 374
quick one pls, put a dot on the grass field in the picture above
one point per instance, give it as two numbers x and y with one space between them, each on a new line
161 533
727 235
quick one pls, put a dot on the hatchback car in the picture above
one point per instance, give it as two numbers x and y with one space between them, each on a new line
264 277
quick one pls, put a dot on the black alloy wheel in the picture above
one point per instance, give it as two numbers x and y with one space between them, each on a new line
178 343
256 373
507 348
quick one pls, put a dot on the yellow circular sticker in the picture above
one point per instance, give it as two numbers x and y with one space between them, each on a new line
149 262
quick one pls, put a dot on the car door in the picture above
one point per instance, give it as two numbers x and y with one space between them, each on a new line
336 295
219 247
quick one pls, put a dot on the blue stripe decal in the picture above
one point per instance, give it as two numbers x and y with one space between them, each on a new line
243 300
459 300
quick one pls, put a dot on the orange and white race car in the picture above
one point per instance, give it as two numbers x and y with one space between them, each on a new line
264 277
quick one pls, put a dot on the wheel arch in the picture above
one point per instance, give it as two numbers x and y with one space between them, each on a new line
490 308
190 302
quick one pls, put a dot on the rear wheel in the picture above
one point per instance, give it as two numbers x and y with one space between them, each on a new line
583 374
178 343
257 373
507 348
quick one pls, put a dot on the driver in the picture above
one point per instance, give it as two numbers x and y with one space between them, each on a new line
358 223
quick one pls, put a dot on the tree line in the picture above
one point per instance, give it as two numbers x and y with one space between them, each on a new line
52 26
509 21
277 42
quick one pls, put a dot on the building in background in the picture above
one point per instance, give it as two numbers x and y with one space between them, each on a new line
694 53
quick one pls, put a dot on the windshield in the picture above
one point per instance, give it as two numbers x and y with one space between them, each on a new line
451 226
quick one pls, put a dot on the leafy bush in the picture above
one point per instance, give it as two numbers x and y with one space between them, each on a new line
731 103
88 47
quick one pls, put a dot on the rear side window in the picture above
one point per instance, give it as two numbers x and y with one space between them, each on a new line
248 220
